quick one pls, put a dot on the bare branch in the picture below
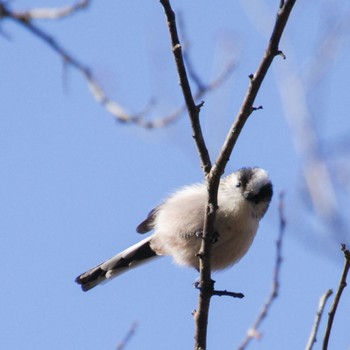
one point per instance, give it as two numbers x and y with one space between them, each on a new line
321 306
206 287
25 18
220 293
203 90
213 178
254 332
256 80
131 332
96 89
53 13
192 108
342 285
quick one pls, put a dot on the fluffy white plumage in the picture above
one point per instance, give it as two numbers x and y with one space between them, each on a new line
243 198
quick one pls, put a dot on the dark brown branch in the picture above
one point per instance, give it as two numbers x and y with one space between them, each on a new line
192 108
254 330
256 80
220 293
206 288
342 285
213 178
321 306
202 314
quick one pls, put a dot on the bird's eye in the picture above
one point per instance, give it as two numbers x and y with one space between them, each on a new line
239 184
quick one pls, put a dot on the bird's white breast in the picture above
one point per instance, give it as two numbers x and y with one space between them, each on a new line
179 224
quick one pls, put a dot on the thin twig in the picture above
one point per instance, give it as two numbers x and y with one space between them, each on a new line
321 306
96 89
53 13
128 336
202 91
187 59
220 293
120 113
342 285
254 332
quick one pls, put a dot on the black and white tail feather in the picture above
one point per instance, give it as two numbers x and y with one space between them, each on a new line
131 257
243 199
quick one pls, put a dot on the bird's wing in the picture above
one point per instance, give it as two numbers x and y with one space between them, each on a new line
147 224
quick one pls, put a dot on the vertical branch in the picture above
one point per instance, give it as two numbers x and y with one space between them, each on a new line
213 178
342 285
214 173
218 168
205 287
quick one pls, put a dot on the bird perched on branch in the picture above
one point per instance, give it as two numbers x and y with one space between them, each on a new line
243 199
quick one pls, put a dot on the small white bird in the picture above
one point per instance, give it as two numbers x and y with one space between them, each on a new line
243 198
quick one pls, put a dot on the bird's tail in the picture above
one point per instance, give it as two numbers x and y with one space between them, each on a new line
131 257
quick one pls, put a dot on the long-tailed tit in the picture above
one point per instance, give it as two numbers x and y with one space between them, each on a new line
243 198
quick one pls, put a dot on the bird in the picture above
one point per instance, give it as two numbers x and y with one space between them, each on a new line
243 199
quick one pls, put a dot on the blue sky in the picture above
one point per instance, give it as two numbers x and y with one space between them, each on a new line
75 184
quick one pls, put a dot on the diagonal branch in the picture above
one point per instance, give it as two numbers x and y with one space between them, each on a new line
96 89
342 285
192 108
53 13
202 91
256 80
26 19
130 334
321 306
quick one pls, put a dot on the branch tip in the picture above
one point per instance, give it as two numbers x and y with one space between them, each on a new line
341 287
200 105
321 307
221 293
280 53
